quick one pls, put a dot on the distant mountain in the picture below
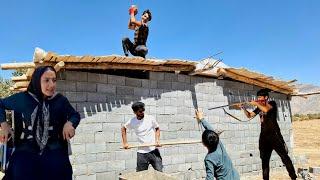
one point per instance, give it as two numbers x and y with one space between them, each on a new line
311 105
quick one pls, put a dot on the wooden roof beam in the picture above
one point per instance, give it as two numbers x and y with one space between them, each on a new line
18 65
226 73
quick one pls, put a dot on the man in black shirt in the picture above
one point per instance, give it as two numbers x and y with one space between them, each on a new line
141 32
270 135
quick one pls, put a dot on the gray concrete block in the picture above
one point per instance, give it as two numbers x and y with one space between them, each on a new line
97 167
133 82
86 177
63 85
96 147
116 165
79 169
117 80
159 76
170 77
101 137
107 175
76 76
164 85
183 78
121 90
106 88
96 97
76 96
141 92
86 87
98 78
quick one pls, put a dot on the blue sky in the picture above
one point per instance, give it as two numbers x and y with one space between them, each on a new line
278 38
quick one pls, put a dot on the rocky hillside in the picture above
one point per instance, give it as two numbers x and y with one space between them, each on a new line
311 105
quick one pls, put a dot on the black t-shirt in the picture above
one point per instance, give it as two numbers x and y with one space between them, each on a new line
269 122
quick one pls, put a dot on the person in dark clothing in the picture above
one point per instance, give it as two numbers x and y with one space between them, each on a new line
270 136
45 121
138 47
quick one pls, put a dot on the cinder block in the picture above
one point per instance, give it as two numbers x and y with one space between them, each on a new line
106 175
170 77
76 76
141 92
79 169
101 137
183 78
96 97
63 85
131 163
97 78
97 167
159 76
121 90
78 148
95 147
76 96
86 177
106 88
83 138
116 165
315 170
117 80
86 87
133 82
164 85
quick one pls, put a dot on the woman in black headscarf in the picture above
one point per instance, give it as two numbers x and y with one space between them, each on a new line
44 122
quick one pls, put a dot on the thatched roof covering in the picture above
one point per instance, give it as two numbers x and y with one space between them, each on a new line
208 67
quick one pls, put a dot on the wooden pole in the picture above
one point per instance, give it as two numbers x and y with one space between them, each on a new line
59 66
18 65
20 78
166 143
306 94
21 84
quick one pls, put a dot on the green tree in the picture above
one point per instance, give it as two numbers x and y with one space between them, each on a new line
5 85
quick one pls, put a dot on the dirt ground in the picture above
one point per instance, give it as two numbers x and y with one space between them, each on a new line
306 135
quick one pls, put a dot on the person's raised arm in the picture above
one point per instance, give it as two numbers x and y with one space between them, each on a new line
200 119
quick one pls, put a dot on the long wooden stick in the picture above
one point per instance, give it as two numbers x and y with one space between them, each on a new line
18 65
166 143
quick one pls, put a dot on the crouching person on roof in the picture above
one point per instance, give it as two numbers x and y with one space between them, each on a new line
147 130
46 122
141 32
217 161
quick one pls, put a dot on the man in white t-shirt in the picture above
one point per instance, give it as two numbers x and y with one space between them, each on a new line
148 132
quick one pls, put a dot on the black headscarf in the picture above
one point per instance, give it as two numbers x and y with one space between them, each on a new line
40 118
35 83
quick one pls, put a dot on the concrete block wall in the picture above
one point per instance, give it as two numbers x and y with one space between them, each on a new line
104 102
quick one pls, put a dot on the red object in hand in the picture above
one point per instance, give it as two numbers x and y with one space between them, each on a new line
133 10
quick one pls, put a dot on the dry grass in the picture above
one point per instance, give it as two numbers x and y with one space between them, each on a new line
306 135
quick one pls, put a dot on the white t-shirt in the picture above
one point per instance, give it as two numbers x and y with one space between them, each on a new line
145 131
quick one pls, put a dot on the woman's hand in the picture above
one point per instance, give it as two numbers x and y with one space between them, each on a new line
199 115
68 130
5 132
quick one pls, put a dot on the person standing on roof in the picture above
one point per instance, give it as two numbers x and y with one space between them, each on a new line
141 28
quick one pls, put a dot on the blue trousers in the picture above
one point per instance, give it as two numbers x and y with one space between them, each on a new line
50 165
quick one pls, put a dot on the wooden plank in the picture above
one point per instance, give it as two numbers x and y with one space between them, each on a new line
21 84
18 65
29 72
166 143
83 65
59 66
226 73
20 78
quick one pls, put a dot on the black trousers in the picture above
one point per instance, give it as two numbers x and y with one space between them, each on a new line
153 158
274 141
28 165
140 50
